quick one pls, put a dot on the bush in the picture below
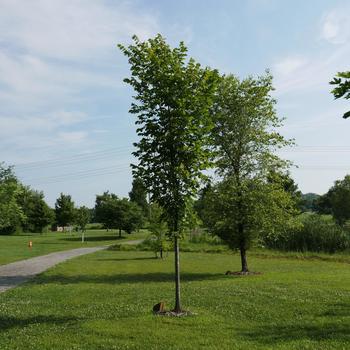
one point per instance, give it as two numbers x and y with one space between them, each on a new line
94 226
316 233
158 245
201 236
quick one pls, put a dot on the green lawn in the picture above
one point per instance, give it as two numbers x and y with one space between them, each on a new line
103 301
15 247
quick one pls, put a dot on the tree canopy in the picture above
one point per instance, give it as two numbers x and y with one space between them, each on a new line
116 213
138 195
82 217
64 210
11 213
105 208
339 200
38 214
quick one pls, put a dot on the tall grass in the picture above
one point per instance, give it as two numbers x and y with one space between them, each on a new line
316 233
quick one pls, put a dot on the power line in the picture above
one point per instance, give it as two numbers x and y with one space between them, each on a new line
316 149
323 168
74 156
78 158
102 154
97 171
82 177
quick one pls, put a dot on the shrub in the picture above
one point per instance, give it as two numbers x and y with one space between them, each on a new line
160 247
316 233
94 226
201 236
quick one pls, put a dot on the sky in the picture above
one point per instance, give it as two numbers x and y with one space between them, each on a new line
64 121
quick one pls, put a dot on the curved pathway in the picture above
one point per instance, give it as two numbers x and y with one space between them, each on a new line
18 272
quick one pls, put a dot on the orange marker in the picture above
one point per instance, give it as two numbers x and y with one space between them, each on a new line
30 244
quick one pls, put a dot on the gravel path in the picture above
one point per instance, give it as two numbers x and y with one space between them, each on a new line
18 272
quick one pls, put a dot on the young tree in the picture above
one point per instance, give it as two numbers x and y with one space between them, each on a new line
172 102
201 203
138 195
342 80
159 228
64 210
38 214
246 200
129 216
11 213
323 203
288 184
105 208
120 214
82 218
309 202
339 200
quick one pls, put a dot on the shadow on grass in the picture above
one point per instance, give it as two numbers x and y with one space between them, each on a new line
338 310
274 334
9 281
129 259
124 278
8 322
48 243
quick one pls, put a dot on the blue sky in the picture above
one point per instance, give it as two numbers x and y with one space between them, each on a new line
64 118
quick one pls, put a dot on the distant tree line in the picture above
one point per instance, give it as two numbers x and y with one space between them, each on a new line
23 209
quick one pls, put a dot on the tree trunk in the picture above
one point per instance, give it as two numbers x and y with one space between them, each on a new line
161 253
242 237
244 260
177 307
120 233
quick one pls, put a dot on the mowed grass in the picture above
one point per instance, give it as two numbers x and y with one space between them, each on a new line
15 247
104 301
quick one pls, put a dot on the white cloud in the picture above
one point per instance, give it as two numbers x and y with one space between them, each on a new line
54 57
68 117
51 50
289 65
30 82
71 29
53 121
336 25
73 136
101 131
311 72
297 76
34 133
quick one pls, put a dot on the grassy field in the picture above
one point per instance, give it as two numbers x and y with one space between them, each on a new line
15 247
104 301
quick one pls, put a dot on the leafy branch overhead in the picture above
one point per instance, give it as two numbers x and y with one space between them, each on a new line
342 89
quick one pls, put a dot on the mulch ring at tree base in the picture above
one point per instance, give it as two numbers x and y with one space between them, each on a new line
242 273
174 314
159 309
